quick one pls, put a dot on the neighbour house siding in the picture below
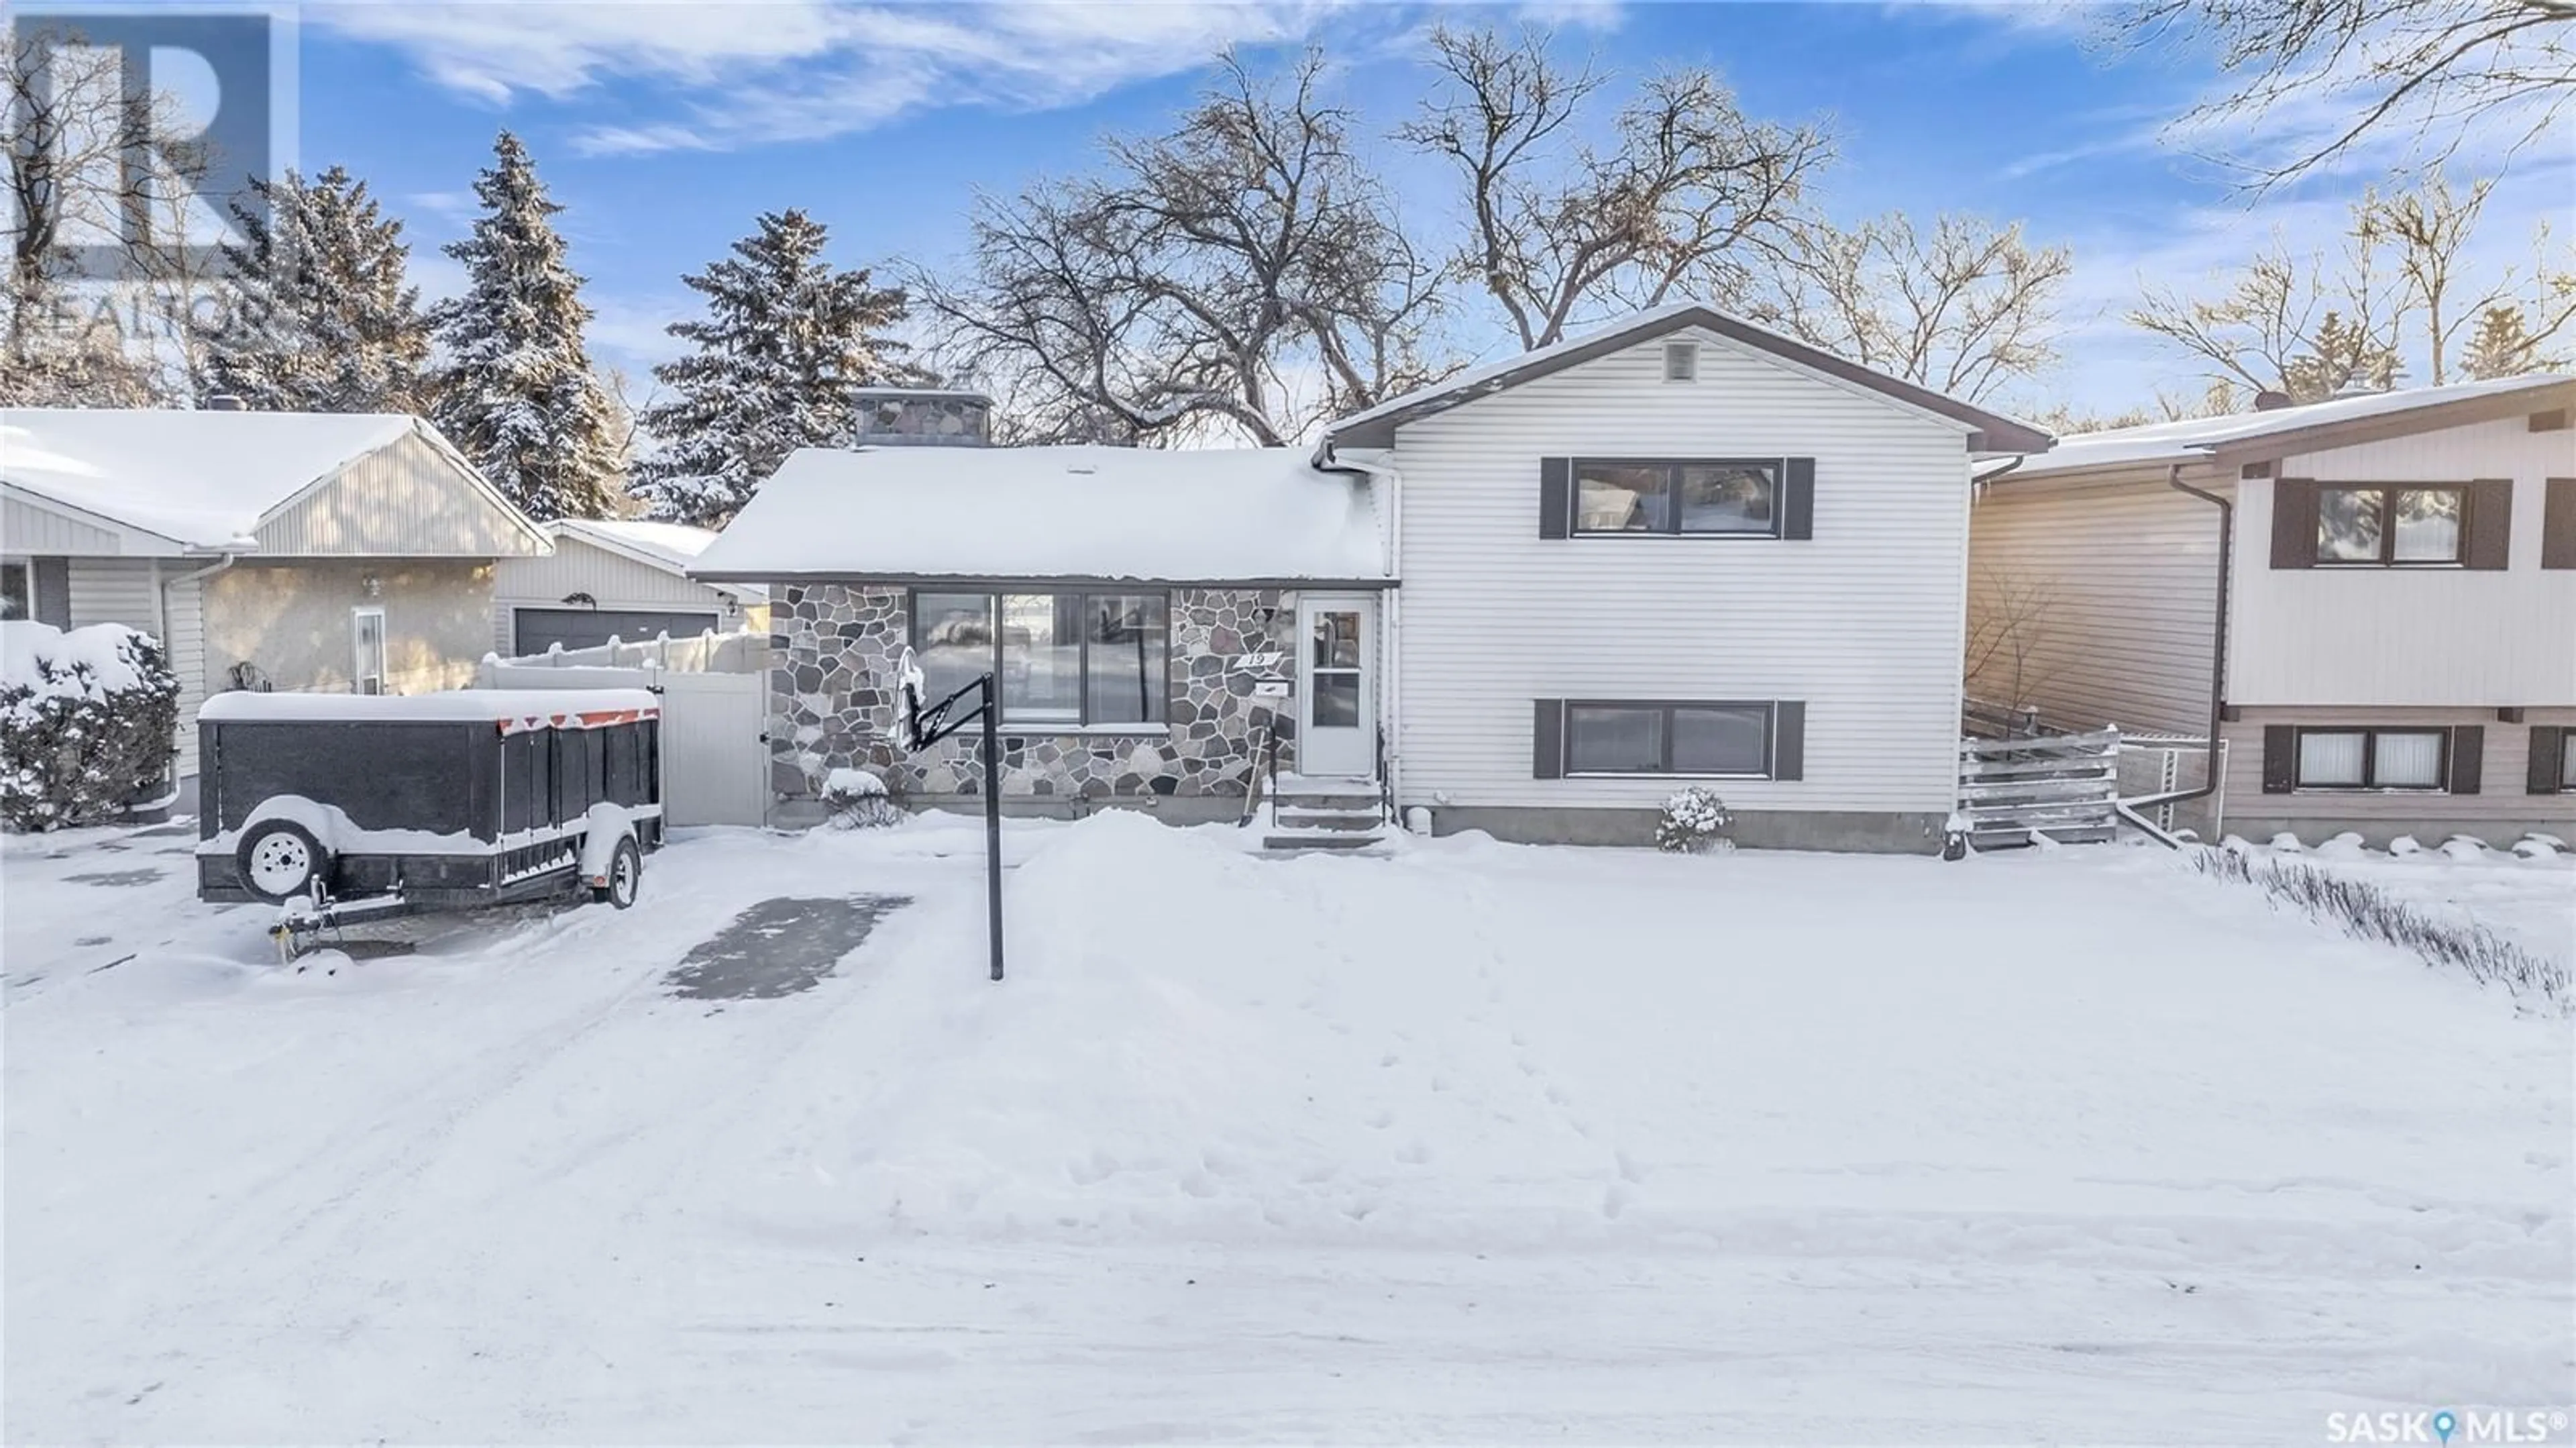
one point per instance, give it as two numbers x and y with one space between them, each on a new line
184 608
2434 636
612 580
114 590
2095 602
2501 810
293 622
27 529
1863 623
408 498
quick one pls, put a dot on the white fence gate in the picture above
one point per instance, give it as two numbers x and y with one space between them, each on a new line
2065 786
715 751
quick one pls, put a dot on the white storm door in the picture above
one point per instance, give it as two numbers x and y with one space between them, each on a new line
1337 682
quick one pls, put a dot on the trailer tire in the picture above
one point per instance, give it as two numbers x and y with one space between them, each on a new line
625 875
279 860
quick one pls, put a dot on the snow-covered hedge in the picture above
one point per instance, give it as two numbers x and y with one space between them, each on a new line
85 722
858 800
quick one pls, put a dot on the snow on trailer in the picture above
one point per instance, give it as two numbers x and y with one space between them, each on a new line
348 807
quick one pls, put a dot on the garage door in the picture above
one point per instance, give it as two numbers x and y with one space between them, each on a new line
534 630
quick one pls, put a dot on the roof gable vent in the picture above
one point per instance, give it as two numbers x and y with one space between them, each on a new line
1681 361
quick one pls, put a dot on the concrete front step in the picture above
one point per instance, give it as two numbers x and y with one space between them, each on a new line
1293 815
1285 842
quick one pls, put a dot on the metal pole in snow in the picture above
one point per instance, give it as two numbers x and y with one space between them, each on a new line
993 820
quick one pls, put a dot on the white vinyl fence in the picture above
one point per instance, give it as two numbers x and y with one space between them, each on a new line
715 713
2064 786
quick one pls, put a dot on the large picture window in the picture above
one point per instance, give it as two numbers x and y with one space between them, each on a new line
1064 660
2374 759
1668 738
1709 496
2386 526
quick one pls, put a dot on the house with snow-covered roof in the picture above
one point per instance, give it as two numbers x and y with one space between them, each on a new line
615 578
266 550
1534 599
2371 600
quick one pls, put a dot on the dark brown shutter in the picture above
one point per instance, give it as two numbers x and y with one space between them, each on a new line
1789 739
2490 524
1555 496
2280 758
1547 739
2548 757
2468 758
51 581
2294 523
2558 524
1798 499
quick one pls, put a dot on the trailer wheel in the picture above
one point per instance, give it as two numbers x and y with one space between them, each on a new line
280 859
625 873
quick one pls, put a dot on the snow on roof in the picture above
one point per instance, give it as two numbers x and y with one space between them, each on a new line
1052 512
671 547
2002 434
513 709
2198 436
200 478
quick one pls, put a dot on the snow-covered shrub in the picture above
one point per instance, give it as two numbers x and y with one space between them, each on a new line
85 722
1694 820
858 800
2405 845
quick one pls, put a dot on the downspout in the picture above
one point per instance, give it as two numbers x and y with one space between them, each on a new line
2217 650
1390 615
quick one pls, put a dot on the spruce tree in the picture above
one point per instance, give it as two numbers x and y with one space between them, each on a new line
515 390
2501 347
321 318
786 339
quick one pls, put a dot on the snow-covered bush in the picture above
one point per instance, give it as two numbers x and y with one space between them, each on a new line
85 722
858 800
1694 820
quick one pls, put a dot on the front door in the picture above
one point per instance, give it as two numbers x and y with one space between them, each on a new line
1337 679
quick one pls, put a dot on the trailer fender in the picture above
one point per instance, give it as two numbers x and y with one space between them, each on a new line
605 825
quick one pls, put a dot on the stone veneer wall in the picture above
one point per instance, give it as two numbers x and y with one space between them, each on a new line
832 692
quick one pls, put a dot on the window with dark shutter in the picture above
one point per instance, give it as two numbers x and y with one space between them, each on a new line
1547 739
2294 523
1555 505
2468 758
2490 523
2558 524
2549 762
2280 758
1798 499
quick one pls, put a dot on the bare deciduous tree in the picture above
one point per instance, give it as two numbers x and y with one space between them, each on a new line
2374 66
2288 323
1965 309
2011 617
1691 197
1242 274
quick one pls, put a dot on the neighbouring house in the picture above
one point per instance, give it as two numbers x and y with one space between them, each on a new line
1534 599
267 550
2371 599
620 578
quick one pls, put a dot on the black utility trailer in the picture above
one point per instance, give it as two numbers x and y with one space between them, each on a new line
350 807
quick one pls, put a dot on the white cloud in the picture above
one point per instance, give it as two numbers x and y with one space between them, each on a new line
807 69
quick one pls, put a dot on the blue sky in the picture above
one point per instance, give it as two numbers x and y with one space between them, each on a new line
664 128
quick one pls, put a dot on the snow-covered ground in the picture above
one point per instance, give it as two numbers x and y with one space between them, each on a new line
1472 1142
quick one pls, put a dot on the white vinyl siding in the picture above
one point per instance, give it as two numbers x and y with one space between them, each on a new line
120 590
613 581
2110 591
2342 637
1863 622
185 603
28 529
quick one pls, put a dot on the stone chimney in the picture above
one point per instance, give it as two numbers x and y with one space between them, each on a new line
923 417
224 402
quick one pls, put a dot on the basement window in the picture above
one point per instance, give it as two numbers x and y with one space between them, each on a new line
2374 758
